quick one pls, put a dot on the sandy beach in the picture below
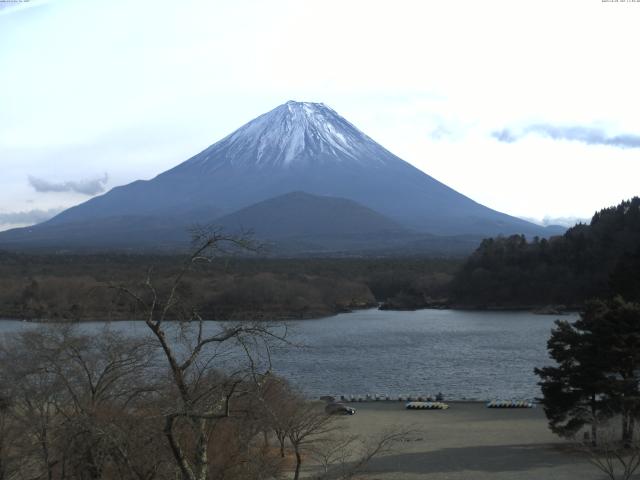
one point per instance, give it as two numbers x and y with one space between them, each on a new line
468 441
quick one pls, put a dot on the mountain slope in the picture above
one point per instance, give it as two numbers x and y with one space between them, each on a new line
298 146
298 214
123 232
296 223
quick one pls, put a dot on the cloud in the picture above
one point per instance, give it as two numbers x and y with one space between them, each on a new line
587 135
440 132
85 187
28 217
562 221
15 6
505 135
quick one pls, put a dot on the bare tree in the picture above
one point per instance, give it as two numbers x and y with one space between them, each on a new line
617 459
71 393
35 394
277 402
201 399
343 457
308 424
334 453
189 399
7 436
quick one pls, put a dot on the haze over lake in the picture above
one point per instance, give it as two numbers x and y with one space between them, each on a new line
463 354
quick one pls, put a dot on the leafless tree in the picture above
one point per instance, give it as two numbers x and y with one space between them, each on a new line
277 402
201 398
618 460
189 399
7 437
343 457
334 453
35 394
308 423
71 394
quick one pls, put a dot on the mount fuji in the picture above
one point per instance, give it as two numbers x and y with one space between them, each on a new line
299 147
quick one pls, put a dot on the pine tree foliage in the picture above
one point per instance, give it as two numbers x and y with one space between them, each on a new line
597 260
597 371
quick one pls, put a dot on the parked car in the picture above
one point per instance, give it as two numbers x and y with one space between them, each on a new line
337 408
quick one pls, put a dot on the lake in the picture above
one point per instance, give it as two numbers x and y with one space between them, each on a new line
463 354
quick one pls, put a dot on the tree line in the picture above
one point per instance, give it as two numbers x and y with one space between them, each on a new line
104 406
594 381
71 287
596 260
187 400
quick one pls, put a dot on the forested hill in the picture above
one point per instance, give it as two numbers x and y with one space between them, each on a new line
599 259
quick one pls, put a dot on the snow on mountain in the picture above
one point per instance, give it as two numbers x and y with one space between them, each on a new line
289 134
297 147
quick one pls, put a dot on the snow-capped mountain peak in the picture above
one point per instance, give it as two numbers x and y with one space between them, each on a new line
295 133
296 147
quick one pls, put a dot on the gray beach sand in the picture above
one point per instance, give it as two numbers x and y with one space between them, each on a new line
468 441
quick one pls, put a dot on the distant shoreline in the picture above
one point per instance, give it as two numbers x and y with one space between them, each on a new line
255 316
262 317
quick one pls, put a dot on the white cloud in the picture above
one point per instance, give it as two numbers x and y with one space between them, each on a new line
578 133
562 221
135 88
88 187
10 220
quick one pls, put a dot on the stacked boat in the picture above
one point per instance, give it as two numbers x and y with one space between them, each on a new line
384 398
426 406
510 404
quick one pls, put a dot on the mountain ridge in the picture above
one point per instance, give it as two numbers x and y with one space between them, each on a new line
302 214
291 128
306 147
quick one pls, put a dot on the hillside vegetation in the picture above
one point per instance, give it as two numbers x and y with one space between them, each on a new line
596 260
75 287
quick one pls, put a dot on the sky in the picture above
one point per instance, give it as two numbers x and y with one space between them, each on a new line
528 107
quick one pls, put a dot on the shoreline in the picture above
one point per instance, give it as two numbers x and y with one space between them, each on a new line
261 316
403 400
464 401
426 353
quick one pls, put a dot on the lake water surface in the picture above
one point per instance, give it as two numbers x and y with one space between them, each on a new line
463 354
